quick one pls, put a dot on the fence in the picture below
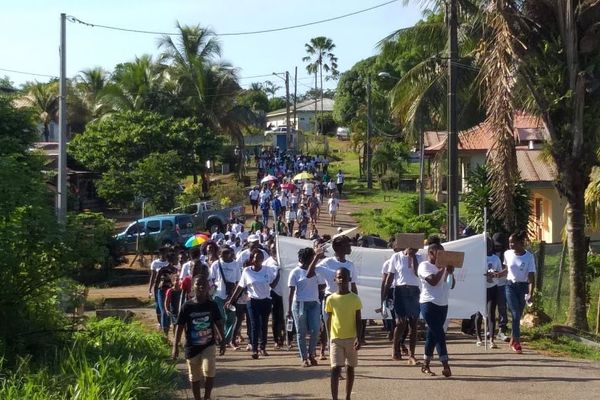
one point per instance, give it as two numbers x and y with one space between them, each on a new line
553 273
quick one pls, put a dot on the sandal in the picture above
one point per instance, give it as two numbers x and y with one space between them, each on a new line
425 370
306 363
413 361
404 350
255 356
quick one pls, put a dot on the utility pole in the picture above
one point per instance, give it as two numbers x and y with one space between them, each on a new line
421 170
288 131
316 106
451 13
295 100
61 206
369 128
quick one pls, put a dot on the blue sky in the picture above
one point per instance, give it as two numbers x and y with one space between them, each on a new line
30 32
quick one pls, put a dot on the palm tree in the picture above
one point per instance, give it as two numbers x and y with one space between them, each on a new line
207 88
136 85
320 57
270 88
43 97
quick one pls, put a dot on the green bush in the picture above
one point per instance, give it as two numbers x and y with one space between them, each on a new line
111 360
90 238
403 217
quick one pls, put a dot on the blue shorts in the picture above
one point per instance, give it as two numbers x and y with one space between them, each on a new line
406 301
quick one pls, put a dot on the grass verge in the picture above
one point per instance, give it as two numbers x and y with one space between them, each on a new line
541 339
110 360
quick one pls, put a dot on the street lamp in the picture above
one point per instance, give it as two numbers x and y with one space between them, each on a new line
387 75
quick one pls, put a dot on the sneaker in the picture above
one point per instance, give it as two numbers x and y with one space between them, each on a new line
516 347
479 343
493 346
503 337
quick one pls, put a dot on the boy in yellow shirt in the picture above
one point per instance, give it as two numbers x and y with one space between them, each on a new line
343 325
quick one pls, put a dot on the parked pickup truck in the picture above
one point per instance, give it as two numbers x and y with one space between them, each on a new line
206 215
162 230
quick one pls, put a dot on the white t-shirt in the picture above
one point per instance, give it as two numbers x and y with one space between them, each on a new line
437 294
232 272
501 281
284 200
293 198
518 266
216 236
236 228
186 270
493 265
400 265
340 178
272 263
333 204
307 289
290 216
327 268
157 264
257 282
253 194
308 188
331 185
264 195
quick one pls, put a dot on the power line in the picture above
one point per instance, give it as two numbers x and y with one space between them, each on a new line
73 19
27 73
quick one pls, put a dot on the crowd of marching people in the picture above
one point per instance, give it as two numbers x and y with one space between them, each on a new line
208 291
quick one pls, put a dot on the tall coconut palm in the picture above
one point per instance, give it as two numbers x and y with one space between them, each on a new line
90 86
321 58
135 85
551 49
43 97
206 87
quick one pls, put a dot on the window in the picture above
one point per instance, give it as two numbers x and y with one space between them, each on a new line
193 209
183 221
132 230
167 225
153 226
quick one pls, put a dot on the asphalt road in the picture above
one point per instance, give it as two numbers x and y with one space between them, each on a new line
477 374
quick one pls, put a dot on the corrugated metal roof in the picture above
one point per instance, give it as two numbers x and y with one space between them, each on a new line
533 167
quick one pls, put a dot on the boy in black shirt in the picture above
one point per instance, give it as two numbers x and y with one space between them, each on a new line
201 320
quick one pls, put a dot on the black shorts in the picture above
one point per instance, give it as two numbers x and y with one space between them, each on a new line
254 202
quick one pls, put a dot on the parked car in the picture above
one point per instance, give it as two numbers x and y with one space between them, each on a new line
374 242
163 230
206 215
343 133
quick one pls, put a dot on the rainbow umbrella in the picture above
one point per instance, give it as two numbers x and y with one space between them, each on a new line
196 240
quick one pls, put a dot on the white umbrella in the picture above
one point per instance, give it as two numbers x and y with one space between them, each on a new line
268 178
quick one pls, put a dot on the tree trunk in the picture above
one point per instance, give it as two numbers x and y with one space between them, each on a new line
576 244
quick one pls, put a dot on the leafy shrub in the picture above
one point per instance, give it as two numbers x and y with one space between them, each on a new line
90 238
111 360
403 217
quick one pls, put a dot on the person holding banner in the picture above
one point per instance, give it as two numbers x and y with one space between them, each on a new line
303 303
402 271
436 284
520 275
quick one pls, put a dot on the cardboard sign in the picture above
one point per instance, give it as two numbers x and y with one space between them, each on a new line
409 240
446 258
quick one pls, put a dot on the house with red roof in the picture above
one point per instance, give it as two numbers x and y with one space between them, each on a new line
538 172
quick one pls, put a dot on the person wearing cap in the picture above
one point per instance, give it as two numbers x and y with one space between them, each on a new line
253 243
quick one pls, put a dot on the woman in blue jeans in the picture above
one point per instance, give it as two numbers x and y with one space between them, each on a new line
303 303
520 278
437 283
258 280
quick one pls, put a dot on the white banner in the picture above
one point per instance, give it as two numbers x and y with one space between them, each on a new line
468 297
